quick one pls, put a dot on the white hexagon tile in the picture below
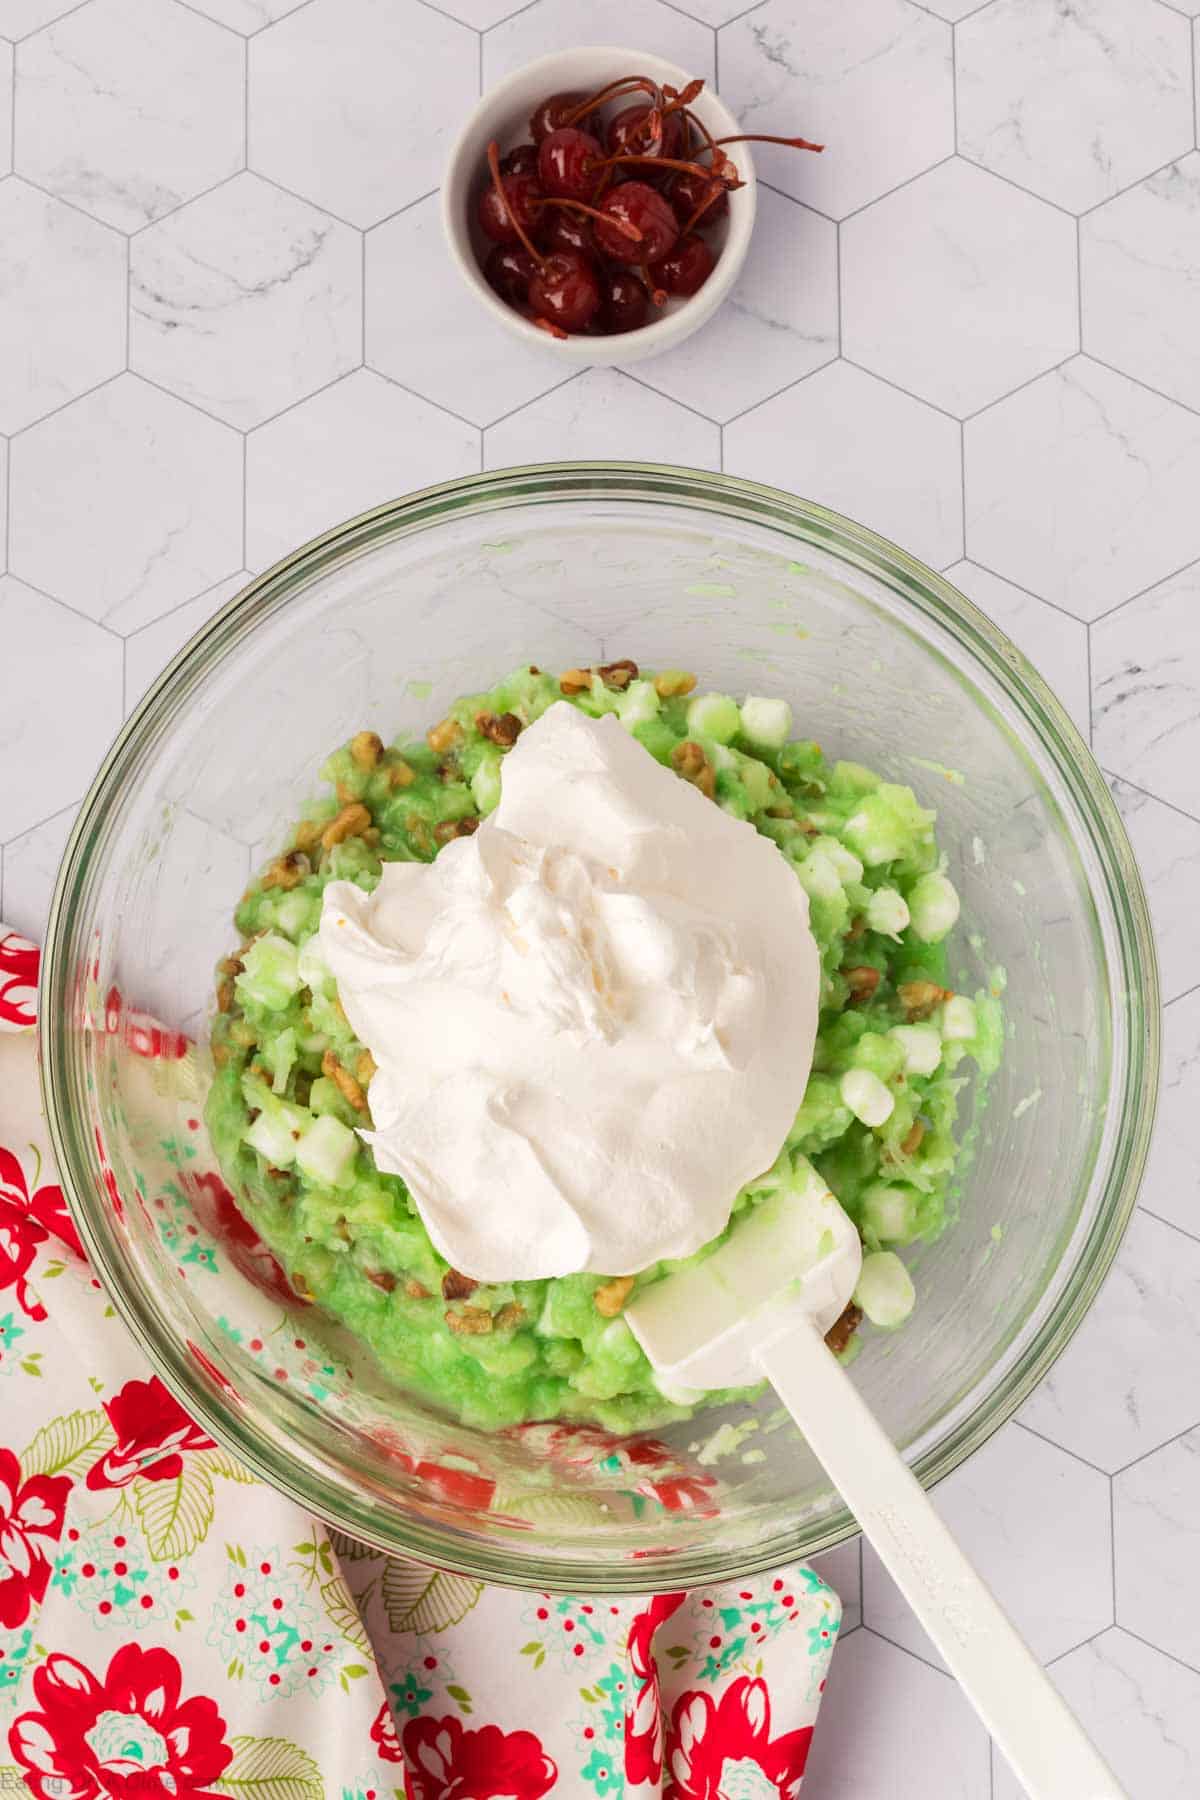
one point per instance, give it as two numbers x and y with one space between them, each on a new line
245 301
856 443
323 113
836 75
959 287
128 107
63 304
227 321
1074 101
352 446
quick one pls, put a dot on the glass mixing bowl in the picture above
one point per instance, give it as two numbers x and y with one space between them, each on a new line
380 624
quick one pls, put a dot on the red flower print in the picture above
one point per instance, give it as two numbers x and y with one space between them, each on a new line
711 1745
643 1715
211 1370
18 979
216 1209
45 1204
19 1239
110 1180
152 1432
141 1033
128 1735
443 1761
31 1517
383 1736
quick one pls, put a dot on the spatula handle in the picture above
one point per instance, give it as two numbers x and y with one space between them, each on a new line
1042 1741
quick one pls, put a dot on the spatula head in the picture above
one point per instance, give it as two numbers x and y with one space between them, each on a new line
797 1253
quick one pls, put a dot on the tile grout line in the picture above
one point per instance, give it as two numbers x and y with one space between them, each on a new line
1161 581
1161 1648
1053 1444
1112 775
1112 1543
1175 1438
954 80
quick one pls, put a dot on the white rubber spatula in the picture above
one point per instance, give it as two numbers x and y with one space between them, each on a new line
760 1306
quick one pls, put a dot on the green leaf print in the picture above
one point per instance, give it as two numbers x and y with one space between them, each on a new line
348 1549
270 1768
219 1462
343 1614
68 1445
461 1697
175 1515
426 1600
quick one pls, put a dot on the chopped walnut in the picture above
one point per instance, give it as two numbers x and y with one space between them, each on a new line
610 1297
456 1286
366 747
447 829
575 681
308 834
346 795
472 1321
350 822
224 996
862 983
689 761
858 929
416 1290
672 683
344 1081
499 728
843 1329
365 1068
444 736
919 998
381 1278
911 1140
220 1055
286 871
509 1317
399 774
618 674
419 834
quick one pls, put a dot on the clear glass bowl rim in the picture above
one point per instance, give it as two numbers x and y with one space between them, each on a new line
1135 992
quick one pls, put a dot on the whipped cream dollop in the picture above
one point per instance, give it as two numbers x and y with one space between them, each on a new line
593 1020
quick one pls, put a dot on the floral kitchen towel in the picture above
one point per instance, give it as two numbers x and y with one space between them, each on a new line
173 1629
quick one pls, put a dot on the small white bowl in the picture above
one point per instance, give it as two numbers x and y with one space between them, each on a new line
503 114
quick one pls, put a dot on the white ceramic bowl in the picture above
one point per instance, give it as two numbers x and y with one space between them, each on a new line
503 114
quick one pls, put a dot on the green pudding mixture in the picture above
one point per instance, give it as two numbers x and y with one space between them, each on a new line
291 1078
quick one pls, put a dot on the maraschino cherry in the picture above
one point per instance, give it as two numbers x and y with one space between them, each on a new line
601 214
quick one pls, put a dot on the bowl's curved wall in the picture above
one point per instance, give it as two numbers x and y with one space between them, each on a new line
380 624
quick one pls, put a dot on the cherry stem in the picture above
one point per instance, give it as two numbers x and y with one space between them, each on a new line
625 84
683 97
493 161
710 143
672 162
762 137
710 199
593 212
